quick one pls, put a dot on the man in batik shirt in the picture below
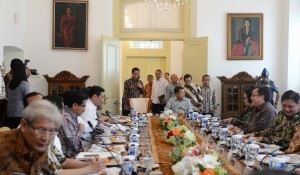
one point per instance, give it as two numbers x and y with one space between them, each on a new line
209 96
179 103
133 88
193 92
285 125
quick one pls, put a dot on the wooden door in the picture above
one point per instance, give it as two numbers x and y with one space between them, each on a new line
195 61
110 72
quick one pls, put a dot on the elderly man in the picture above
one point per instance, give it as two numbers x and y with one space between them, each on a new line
179 103
265 81
193 92
170 88
24 150
263 114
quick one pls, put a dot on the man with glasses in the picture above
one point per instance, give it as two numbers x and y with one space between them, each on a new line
69 133
24 150
285 125
262 115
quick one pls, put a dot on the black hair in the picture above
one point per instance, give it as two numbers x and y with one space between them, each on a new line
247 19
248 92
290 95
31 94
56 100
92 90
266 92
177 88
167 73
74 96
187 76
18 73
135 69
158 70
150 76
205 76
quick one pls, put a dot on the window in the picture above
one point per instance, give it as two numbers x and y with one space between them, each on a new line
146 45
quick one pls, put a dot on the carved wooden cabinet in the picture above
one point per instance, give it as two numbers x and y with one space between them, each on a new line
64 81
232 93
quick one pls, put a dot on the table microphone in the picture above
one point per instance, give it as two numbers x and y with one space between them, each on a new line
240 154
90 141
107 112
270 153
94 130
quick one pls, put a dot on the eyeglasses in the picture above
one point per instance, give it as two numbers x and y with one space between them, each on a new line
40 132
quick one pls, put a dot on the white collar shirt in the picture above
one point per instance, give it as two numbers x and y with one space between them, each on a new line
158 89
89 114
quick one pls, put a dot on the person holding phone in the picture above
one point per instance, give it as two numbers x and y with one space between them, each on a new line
133 88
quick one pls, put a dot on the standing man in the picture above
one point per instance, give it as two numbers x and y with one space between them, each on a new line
265 81
167 76
158 92
209 96
170 88
148 91
133 88
193 92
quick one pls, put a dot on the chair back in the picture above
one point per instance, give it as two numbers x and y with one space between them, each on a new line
139 104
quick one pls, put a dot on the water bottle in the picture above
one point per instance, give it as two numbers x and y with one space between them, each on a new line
215 129
127 167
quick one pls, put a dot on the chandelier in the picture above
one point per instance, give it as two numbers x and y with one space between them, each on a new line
165 5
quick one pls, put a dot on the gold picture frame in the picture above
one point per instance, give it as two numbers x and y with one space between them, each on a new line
70 24
244 36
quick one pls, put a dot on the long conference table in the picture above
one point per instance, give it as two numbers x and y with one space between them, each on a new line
161 149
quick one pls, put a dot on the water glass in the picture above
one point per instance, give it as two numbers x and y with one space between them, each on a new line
252 151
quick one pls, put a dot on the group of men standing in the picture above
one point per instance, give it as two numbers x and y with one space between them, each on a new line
161 90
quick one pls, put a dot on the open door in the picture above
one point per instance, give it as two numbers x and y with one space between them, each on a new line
110 72
195 61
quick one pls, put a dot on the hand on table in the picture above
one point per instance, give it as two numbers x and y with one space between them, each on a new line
227 120
97 165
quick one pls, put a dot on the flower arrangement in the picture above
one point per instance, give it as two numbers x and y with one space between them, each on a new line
180 135
168 120
197 160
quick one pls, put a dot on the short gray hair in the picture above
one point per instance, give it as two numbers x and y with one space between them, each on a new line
42 109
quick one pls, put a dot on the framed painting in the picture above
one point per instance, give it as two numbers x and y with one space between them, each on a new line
70 24
244 36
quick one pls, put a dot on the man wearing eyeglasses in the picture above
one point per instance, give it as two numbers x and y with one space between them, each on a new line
262 115
24 150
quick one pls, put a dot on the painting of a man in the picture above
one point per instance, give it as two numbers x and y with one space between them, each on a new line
70 25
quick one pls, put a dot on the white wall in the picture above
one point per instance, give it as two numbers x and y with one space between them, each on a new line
176 48
39 43
212 23
293 76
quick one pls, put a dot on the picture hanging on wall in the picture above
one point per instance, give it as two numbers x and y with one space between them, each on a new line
70 24
244 36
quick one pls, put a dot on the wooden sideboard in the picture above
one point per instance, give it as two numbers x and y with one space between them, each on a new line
232 93
64 81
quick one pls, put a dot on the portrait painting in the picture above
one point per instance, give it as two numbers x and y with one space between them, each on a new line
244 36
70 24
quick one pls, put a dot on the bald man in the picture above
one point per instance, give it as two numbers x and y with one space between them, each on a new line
170 88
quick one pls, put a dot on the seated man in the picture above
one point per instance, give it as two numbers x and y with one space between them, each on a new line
69 133
179 103
285 125
262 115
30 97
24 150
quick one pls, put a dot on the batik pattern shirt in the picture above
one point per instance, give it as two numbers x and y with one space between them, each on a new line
244 118
193 92
69 134
178 106
131 90
294 146
261 118
270 84
56 159
16 156
209 99
281 131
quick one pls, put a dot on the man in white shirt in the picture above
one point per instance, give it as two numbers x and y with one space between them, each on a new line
158 92
96 98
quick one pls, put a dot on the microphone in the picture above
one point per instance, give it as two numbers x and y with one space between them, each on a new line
270 153
107 112
95 130
91 126
118 104
240 154
90 141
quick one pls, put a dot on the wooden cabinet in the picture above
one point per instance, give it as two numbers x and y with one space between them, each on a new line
64 81
232 93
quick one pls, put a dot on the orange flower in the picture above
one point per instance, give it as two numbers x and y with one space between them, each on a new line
176 131
208 172
168 120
